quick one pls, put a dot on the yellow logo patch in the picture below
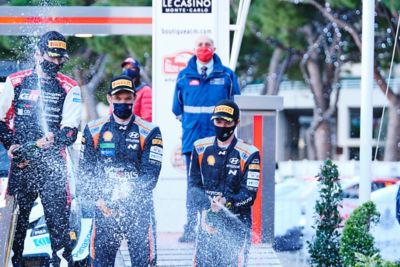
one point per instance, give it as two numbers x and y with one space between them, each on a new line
254 167
57 44
156 142
211 160
225 109
107 136
121 82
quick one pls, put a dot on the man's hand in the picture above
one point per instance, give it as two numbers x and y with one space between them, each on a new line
205 226
217 203
10 154
46 142
101 204
11 150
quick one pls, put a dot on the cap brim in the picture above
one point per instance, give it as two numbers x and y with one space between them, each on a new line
125 63
221 117
122 89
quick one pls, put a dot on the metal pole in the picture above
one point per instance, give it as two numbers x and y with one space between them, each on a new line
367 74
238 36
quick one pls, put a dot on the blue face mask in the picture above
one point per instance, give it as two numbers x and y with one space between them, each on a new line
122 110
133 73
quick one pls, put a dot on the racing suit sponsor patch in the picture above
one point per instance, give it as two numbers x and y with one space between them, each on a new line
253 175
107 145
32 95
107 136
133 146
233 172
23 112
133 135
144 132
132 140
107 152
234 161
157 142
254 166
252 183
156 149
211 160
155 156
244 202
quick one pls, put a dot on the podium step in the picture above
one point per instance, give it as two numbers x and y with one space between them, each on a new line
171 253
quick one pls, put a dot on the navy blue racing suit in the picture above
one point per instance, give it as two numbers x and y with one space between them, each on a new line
120 165
233 173
29 108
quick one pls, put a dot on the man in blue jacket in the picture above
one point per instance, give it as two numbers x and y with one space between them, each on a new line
199 87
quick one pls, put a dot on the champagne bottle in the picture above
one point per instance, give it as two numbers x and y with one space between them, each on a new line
26 151
213 219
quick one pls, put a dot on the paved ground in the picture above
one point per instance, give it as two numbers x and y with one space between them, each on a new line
172 253
169 199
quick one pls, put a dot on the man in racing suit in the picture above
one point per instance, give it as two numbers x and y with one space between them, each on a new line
224 177
120 163
41 107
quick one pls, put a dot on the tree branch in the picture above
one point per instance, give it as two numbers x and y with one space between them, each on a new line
357 40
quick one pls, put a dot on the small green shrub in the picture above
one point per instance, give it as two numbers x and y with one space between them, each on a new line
373 261
324 248
356 239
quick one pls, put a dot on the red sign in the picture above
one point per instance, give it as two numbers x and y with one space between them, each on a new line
174 63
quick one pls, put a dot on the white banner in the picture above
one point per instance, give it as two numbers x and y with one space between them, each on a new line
176 25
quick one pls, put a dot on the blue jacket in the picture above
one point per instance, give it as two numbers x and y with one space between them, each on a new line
195 98
232 173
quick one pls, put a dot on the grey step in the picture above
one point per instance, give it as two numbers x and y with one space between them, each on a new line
260 255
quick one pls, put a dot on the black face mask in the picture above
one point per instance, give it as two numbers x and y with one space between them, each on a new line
134 74
223 133
122 110
50 68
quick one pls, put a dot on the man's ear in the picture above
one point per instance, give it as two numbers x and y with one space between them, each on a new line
109 99
237 122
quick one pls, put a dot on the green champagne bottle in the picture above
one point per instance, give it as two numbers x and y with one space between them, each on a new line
213 219
26 151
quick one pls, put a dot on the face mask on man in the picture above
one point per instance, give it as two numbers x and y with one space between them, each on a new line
204 53
133 73
223 133
50 68
122 110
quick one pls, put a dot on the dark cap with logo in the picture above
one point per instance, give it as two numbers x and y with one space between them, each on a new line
227 110
53 44
132 61
121 83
